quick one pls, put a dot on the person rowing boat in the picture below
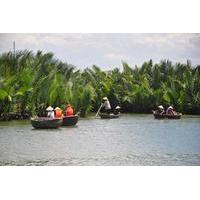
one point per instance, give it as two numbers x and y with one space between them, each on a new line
105 110
105 106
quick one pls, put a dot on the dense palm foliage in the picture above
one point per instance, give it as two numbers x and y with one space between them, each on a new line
29 82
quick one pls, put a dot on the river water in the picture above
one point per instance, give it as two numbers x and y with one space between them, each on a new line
129 140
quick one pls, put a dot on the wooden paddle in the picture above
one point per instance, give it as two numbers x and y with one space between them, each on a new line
98 110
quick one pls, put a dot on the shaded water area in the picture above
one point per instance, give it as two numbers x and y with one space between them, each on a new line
129 140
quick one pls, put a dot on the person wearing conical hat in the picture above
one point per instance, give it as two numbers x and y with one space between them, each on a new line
105 108
170 111
117 110
50 112
49 108
161 110
58 112
161 107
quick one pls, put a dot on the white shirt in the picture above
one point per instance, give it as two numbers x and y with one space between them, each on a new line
50 114
106 105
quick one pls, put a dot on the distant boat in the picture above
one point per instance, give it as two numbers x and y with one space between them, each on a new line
70 120
166 116
46 122
108 116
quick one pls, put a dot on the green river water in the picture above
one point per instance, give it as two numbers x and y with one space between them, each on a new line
129 140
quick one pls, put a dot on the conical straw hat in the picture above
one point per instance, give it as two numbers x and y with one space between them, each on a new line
49 108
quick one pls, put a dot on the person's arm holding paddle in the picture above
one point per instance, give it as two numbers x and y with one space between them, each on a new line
99 109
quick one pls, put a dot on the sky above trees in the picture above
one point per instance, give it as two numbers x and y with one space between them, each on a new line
108 50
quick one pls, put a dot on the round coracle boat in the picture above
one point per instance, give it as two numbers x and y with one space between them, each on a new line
166 116
70 120
46 122
108 116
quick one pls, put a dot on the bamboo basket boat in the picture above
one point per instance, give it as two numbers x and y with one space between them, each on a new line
165 116
46 123
108 116
70 120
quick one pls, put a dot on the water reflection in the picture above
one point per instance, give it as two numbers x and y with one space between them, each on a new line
130 140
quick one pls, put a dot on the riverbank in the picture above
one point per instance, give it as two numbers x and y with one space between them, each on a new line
19 116
31 81
13 116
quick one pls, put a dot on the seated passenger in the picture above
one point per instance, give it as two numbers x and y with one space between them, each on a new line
58 112
170 111
117 110
161 110
69 110
50 112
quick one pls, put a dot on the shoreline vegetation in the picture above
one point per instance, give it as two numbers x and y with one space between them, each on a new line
31 81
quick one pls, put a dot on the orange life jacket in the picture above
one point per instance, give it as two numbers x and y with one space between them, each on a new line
58 113
69 111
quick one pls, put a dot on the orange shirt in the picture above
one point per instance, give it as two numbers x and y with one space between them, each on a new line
69 111
58 113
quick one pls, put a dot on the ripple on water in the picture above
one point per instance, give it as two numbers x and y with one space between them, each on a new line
129 140
136 159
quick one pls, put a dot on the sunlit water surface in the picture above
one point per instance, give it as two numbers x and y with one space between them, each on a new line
129 140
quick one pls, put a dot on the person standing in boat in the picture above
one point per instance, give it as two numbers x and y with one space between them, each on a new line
69 110
50 112
105 108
